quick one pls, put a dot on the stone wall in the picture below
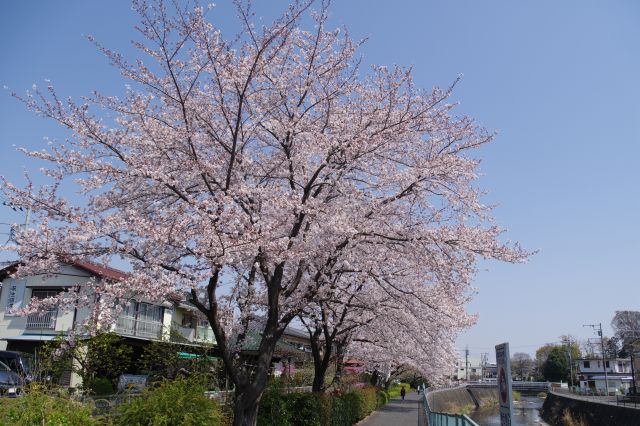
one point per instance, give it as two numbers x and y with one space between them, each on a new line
564 410
456 400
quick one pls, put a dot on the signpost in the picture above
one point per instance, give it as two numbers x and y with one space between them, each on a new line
503 362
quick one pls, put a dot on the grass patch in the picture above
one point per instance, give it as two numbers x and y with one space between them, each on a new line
394 391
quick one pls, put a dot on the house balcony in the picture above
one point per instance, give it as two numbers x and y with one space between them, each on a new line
42 321
201 334
204 334
130 326
184 334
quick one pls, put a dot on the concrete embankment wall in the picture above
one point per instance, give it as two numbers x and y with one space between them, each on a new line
485 396
455 399
561 410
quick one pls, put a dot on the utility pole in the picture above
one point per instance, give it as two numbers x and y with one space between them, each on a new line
598 328
570 361
483 367
466 364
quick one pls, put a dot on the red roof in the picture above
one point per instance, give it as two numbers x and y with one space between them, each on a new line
100 271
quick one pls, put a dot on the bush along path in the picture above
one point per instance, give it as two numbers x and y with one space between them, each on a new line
397 412
319 409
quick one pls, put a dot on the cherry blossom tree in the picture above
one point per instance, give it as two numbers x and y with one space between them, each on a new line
251 171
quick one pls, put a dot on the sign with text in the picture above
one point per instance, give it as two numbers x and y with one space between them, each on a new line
503 363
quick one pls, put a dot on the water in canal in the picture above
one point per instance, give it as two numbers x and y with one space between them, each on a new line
525 412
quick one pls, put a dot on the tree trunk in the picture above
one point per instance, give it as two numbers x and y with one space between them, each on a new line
245 409
321 362
339 365
320 370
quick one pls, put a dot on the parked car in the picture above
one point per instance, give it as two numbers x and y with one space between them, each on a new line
11 384
19 362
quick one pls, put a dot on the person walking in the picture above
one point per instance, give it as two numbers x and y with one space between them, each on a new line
403 392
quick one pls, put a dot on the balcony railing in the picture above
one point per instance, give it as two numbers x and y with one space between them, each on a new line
204 334
131 326
45 320
186 333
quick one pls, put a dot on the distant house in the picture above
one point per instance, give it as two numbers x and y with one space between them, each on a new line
471 370
292 351
141 321
591 374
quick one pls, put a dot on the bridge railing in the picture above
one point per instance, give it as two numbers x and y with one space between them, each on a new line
435 418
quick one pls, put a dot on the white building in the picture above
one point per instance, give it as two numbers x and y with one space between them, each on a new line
471 369
591 374
140 322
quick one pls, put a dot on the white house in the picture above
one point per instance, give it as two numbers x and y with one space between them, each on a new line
471 370
591 374
140 322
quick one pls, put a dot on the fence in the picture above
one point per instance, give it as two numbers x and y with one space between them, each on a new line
45 320
632 401
444 419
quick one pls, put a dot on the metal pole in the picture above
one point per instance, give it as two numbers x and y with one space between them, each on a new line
633 374
604 362
466 364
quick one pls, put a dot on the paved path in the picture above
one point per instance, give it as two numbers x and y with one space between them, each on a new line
397 412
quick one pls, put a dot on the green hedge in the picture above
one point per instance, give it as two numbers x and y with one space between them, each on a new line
173 403
316 409
36 408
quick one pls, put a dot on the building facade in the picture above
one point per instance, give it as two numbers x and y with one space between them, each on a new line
140 322
591 374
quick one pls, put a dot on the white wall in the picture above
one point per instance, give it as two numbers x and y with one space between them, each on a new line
13 325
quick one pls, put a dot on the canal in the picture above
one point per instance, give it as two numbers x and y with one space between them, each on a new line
525 412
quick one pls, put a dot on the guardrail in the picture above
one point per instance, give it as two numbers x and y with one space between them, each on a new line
44 320
435 418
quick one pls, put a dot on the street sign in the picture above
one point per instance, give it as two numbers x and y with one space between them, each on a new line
503 363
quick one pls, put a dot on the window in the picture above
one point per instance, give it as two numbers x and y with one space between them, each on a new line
44 319
40 294
149 312
587 364
606 364
188 321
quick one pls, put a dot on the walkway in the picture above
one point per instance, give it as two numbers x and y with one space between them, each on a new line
397 412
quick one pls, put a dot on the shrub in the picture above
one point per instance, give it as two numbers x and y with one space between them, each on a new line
354 401
101 386
37 408
274 410
516 395
339 411
305 409
317 409
173 403
293 409
370 396
383 398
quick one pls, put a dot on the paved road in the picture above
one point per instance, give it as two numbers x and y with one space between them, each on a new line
397 413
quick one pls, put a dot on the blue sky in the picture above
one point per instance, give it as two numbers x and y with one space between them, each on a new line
559 81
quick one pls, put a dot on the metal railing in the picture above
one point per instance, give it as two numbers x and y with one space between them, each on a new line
435 418
45 320
205 334
136 327
186 333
